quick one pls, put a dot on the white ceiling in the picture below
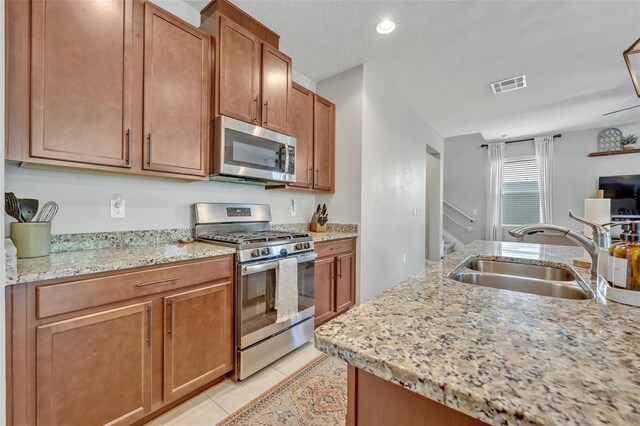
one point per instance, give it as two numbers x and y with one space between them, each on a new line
443 55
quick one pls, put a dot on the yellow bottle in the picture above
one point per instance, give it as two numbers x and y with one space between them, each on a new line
633 262
619 273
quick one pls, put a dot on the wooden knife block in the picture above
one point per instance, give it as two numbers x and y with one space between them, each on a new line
314 226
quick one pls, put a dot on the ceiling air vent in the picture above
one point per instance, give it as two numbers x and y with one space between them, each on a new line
513 83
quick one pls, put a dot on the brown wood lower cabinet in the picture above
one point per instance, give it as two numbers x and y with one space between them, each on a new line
198 336
95 369
335 278
373 401
166 333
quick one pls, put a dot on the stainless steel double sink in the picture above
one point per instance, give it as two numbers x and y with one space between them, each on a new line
523 277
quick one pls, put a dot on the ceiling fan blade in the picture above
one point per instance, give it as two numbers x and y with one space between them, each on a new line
620 110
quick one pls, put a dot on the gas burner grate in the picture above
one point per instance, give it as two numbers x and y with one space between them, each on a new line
252 237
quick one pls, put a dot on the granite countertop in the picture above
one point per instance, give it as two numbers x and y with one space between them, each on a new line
74 263
500 356
331 235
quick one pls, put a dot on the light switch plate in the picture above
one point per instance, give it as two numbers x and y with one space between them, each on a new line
117 209
294 207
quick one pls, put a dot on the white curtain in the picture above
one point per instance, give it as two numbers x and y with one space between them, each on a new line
544 159
494 205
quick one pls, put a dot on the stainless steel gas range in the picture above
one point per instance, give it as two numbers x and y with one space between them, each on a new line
259 339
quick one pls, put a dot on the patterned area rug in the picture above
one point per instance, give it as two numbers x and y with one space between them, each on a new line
314 396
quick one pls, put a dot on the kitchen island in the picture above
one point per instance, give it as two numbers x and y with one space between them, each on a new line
477 354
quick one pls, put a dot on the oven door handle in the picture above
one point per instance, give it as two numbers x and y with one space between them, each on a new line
273 264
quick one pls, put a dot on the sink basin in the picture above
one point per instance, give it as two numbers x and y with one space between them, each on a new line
522 277
521 270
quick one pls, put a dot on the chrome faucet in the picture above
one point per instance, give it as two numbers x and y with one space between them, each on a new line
601 236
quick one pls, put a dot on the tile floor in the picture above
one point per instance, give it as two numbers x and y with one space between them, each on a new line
218 402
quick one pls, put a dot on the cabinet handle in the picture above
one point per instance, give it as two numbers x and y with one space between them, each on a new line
149 157
266 112
255 101
310 178
149 321
158 282
128 147
315 183
170 330
339 268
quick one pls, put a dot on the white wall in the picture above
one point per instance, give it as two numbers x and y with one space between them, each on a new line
575 174
394 140
345 91
84 199
381 174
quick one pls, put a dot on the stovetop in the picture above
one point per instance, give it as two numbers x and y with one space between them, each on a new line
242 238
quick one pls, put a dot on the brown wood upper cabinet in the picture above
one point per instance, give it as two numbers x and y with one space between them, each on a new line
237 66
313 125
111 85
276 89
176 87
81 81
252 77
302 130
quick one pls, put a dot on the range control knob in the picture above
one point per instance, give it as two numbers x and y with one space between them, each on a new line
255 253
266 251
284 252
298 246
307 245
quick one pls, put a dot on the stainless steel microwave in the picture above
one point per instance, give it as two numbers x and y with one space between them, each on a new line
248 151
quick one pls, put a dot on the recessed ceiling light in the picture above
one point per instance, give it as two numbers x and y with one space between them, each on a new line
385 27
504 136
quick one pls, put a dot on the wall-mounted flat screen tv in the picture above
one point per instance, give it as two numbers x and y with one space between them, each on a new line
624 192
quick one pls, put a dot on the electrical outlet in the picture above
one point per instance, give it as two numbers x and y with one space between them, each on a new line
475 212
294 207
117 208
404 258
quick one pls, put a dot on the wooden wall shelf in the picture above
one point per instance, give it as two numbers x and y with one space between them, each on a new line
606 153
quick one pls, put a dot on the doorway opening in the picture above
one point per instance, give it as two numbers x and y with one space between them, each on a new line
433 208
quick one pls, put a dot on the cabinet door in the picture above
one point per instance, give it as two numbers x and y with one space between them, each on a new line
81 76
323 143
198 338
345 285
239 69
324 291
95 369
302 130
276 89
176 94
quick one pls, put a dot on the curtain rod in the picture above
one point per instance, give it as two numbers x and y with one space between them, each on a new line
484 145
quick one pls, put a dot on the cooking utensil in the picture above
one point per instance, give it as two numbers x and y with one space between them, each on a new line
48 212
12 206
28 208
319 210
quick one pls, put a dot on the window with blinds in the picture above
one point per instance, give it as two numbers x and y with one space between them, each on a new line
520 191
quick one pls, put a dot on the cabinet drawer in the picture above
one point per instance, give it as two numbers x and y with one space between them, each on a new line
331 248
56 299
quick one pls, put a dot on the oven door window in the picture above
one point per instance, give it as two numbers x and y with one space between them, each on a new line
257 298
246 150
